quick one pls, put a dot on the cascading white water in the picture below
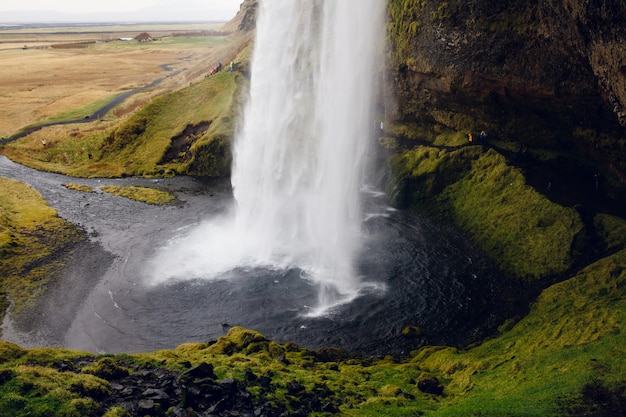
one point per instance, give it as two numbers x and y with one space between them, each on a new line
301 154
299 161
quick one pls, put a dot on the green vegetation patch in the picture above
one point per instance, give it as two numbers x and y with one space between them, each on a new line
43 391
564 358
70 149
79 187
137 144
33 244
404 22
143 194
293 378
529 236
140 143
612 230
81 112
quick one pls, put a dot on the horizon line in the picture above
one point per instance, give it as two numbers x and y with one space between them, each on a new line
4 26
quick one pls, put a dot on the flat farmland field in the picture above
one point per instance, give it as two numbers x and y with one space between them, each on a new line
51 71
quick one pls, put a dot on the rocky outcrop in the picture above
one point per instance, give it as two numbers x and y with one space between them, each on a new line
548 74
245 20
154 391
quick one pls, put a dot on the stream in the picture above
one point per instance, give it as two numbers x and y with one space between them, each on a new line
98 113
432 278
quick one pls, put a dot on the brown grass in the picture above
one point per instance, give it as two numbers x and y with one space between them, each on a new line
41 82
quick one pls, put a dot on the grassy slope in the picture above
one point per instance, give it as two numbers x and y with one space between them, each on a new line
475 188
121 148
569 346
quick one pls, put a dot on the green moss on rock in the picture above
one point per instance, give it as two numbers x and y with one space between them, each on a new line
612 230
107 368
143 194
529 236
117 412
236 341
10 352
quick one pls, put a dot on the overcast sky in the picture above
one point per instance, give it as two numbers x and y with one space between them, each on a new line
164 10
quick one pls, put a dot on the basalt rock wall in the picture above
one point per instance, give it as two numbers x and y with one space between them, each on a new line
549 74
245 20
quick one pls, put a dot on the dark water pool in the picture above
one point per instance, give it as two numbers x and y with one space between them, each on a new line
433 279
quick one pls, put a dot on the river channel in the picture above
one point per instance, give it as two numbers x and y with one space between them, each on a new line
433 279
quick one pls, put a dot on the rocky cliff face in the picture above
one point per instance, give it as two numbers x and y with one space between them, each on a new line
548 74
245 20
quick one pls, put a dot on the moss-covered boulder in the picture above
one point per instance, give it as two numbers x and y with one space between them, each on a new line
475 188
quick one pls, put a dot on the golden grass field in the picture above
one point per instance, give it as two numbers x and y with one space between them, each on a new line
38 81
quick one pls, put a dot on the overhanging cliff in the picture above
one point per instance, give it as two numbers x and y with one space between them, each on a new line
548 74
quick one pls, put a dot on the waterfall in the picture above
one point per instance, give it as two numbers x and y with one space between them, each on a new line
300 156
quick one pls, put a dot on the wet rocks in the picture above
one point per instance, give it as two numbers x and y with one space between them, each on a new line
152 391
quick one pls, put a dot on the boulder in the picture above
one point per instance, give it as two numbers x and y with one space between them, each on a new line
430 385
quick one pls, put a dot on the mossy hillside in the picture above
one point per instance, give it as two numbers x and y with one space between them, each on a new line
136 145
32 386
404 21
143 140
66 151
212 153
34 244
570 345
21 209
611 229
473 187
